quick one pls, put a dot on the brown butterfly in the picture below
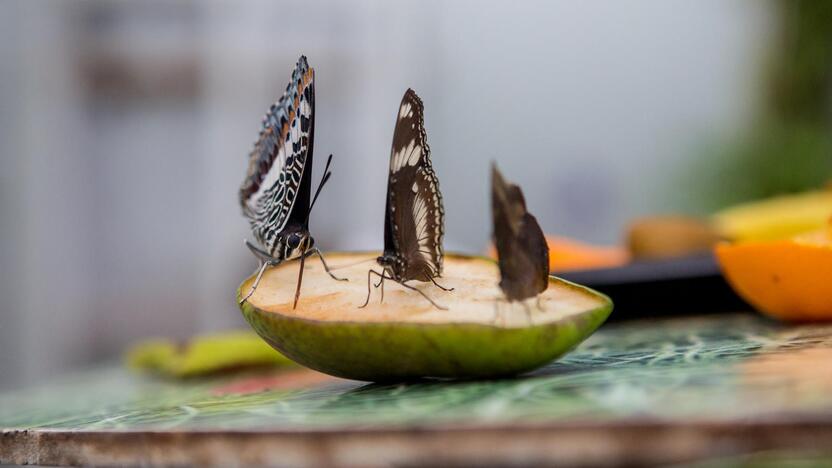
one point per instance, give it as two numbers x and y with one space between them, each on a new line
414 221
521 247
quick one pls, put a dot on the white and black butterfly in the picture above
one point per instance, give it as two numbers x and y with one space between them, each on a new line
414 218
275 195
521 247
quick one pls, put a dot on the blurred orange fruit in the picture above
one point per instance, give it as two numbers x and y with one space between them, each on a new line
789 279
568 254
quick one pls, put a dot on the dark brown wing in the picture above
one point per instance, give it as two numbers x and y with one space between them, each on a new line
414 220
277 184
521 247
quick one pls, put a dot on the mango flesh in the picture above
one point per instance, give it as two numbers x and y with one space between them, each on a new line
788 279
405 337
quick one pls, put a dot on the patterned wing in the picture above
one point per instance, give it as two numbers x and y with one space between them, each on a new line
414 224
272 189
521 247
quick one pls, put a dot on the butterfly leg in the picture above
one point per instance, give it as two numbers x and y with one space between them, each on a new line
412 288
380 284
266 260
259 253
369 282
383 277
499 312
300 281
439 285
528 311
317 252
263 265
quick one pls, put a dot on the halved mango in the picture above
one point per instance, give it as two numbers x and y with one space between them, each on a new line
405 337
787 279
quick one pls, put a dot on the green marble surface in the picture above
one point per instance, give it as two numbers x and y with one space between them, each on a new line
736 367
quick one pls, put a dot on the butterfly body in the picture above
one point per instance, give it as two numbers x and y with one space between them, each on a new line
521 246
276 194
414 216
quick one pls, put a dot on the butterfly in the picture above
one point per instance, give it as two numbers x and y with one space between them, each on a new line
414 217
521 247
275 195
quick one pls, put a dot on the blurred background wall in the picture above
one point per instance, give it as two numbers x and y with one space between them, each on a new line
124 129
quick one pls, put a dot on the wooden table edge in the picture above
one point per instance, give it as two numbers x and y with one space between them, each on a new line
573 444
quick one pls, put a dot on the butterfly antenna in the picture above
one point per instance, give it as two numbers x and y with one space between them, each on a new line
355 263
324 180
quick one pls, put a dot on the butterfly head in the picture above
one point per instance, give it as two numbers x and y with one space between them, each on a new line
391 264
296 243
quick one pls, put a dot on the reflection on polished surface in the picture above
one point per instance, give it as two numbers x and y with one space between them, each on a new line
711 369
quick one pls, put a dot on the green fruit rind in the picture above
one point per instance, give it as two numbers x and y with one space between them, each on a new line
396 351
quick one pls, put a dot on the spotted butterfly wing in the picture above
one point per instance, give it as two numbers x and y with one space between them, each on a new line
276 190
414 218
521 247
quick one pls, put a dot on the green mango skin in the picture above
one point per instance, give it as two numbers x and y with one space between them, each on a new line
390 352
